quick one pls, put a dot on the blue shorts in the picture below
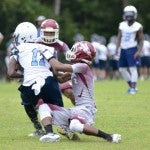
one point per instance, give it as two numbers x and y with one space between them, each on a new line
145 61
114 64
127 58
95 64
102 64
50 93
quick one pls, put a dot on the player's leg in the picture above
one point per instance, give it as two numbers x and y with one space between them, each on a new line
132 64
28 100
46 119
77 126
123 67
32 114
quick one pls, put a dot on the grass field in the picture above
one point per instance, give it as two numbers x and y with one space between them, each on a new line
118 112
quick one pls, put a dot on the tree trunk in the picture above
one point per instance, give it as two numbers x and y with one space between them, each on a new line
57 4
124 3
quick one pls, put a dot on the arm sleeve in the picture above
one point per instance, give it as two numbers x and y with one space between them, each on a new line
79 68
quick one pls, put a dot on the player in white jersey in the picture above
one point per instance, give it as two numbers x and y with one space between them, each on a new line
130 41
145 58
38 80
81 117
113 58
99 62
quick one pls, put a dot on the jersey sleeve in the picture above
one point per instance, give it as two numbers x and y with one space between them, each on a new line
79 68
46 51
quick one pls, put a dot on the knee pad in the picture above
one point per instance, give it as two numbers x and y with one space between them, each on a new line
76 126
44 111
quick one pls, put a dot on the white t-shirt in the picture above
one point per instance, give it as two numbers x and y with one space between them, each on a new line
146 48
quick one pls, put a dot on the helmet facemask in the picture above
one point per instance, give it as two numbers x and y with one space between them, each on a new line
49 31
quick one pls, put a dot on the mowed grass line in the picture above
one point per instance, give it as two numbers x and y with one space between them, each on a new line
117 112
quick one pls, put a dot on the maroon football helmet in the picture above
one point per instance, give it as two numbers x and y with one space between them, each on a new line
49 31
81 51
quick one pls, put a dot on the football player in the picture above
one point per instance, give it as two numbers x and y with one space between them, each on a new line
38 80
113 58
100 61
50 37
145 59
81 117
38 23
130 41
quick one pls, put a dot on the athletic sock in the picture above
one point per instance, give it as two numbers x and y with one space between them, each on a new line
133 85
104 135
48 129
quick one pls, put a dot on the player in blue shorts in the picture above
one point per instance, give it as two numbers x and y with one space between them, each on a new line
130 41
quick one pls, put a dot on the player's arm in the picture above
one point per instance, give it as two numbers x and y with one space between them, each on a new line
118 41
1 37
140 42
13 69
58 66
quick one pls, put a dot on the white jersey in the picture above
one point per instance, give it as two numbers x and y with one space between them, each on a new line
112 51
101 51
35 66
128 39
83 85
146 48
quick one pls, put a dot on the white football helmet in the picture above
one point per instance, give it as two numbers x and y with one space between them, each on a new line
130 11
49 31
25 32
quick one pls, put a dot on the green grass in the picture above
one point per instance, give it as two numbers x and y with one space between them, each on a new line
117 112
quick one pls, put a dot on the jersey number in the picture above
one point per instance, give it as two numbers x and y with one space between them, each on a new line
34 61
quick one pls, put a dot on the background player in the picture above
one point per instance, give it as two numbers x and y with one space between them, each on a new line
130 41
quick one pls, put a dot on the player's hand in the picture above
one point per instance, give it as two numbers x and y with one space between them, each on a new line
64 77
137 55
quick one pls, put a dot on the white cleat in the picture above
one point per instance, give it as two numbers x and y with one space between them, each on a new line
116 138
50 137
132 91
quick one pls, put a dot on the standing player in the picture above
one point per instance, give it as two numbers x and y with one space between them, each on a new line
38 80
113 58
81 117
38 23
130 41
50 37
145 59
100 61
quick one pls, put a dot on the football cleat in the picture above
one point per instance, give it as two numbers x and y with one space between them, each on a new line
69 134
37 133
116 138
132 91
50 137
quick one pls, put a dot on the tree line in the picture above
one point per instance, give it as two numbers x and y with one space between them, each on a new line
84 16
